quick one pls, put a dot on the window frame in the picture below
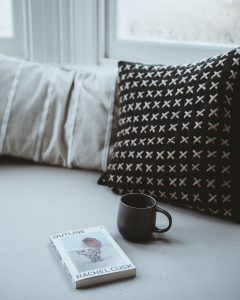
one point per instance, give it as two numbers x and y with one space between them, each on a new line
58 35
113 48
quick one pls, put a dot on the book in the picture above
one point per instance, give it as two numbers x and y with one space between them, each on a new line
91 256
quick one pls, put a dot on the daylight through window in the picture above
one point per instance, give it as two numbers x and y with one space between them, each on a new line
207 21
6 26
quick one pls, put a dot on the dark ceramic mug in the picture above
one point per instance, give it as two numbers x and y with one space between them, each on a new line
137 217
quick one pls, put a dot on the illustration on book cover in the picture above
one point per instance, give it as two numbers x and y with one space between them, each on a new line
91 251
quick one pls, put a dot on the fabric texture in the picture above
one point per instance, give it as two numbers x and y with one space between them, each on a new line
178 134
56 115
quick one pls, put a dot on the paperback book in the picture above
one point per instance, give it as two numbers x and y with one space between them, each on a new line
91 256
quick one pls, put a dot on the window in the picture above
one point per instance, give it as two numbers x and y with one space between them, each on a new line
6 19
91 31
11 27
208 21
171 31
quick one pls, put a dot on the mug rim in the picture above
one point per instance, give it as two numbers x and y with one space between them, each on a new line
140 208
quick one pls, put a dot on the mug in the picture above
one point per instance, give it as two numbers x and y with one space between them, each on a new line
136 219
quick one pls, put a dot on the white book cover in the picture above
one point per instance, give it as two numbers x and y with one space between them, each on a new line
91 256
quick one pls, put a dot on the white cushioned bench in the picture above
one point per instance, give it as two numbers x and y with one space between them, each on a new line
197 259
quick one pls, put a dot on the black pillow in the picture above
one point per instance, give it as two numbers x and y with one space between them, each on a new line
178 135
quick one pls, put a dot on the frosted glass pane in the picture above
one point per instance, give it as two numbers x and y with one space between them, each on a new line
6 24
211 21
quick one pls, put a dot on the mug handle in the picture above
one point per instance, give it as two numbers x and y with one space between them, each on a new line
167 214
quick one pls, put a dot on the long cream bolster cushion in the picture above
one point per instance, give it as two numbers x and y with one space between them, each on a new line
56 115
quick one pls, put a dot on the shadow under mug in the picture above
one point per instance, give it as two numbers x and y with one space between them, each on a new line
136 219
